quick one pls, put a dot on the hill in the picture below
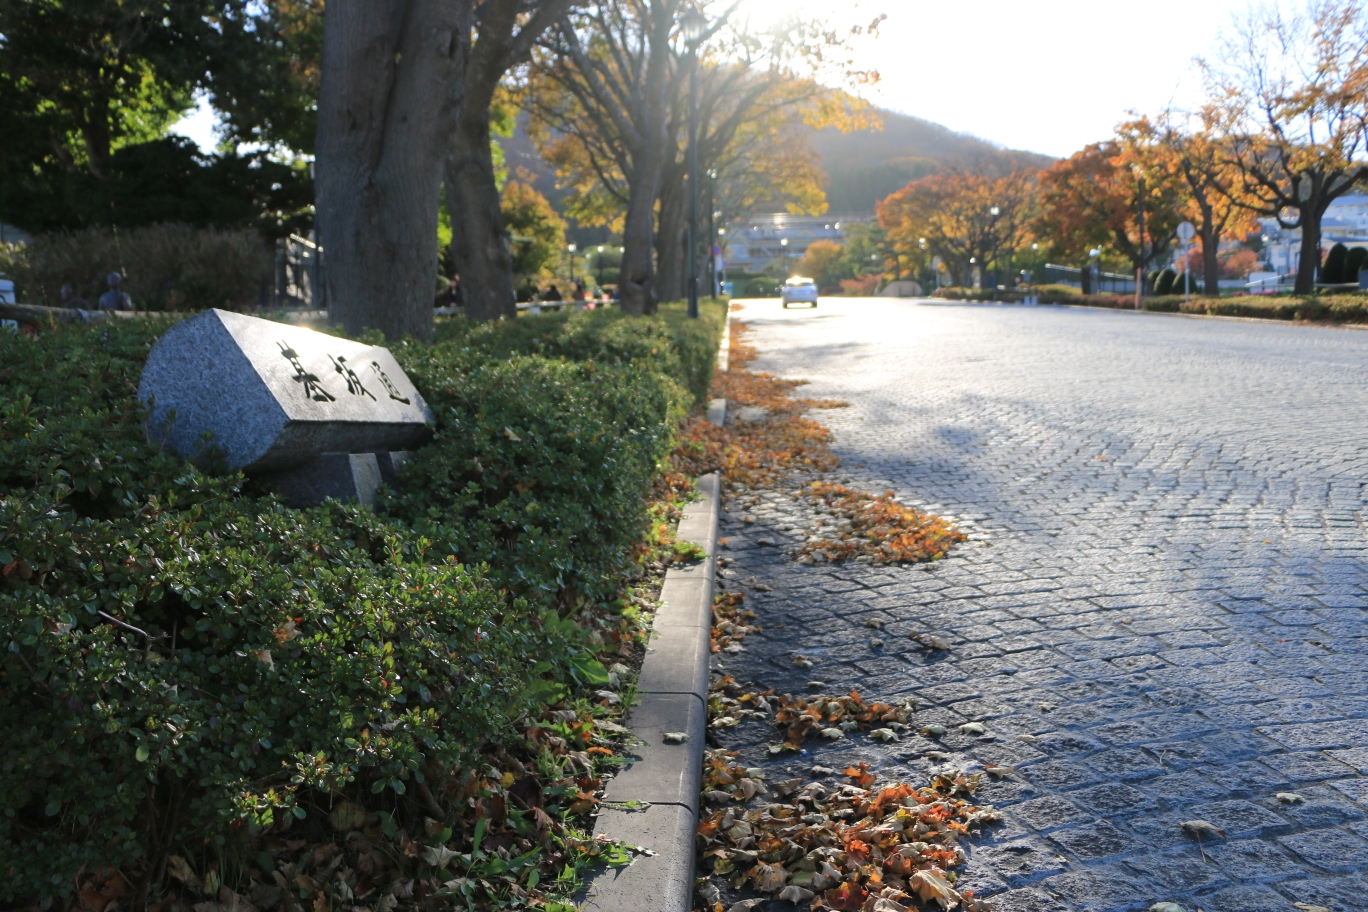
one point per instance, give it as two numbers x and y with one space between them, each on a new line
862 167
865 166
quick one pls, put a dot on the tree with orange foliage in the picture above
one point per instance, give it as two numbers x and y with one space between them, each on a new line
1092 199
1208 184
825 262
1290 93
968 219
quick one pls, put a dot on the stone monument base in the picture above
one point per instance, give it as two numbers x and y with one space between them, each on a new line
344 476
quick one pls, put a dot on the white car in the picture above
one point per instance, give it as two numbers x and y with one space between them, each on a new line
799 289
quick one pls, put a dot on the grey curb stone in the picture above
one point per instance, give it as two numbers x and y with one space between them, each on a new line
663 773
665 778
676 663
724 350
653 883
717 412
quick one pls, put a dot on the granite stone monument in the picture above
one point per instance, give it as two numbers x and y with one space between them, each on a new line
312 415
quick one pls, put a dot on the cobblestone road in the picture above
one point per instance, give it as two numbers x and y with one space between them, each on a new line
1160 615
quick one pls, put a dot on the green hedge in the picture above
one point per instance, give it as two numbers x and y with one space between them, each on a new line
1346 308
668 343
1340 308
185 661
540 468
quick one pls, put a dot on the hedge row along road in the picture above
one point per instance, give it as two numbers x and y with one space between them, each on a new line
1160 615
212 698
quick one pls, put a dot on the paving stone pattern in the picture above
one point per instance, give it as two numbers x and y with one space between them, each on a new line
1173 631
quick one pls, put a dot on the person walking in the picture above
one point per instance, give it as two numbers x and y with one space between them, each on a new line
115 299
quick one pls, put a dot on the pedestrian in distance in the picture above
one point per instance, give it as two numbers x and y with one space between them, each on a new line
115 299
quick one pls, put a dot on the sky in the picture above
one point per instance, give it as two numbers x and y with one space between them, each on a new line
1050 76
1047 77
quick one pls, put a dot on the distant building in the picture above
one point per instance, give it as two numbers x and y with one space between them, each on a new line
1345 222
11 235
753 244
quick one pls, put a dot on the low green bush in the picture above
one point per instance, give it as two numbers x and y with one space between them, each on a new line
187 663
1333 271
540 468
1356 261
178 658
1341 308
1163 282
669 343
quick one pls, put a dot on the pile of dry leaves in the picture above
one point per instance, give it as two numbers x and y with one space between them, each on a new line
854 846
875 527
772 441
763 451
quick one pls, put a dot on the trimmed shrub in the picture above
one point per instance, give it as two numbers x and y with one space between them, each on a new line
539 468
669 343
1163 283
179 657
1356 261
186 664
165 267
1332 272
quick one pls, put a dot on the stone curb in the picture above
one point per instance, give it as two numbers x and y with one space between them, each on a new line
653 803
717 412
724 350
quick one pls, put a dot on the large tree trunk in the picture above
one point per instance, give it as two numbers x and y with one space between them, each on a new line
479 240
480 245
391 84
670 241
1211 265
636 281
1309 267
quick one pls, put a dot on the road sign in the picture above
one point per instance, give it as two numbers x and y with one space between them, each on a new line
1186 232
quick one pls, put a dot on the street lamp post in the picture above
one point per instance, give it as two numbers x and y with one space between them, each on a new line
693 26
598 268
783 242
572 249
720 274
1095 257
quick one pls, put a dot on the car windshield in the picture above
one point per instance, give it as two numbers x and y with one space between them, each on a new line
796 282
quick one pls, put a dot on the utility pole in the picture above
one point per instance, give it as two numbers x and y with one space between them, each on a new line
1140 272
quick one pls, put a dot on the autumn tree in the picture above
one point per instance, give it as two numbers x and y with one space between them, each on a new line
616 60
749 85
825 262
1094 199
754 151
1190 149
966 218
1292 97
537 232
504 34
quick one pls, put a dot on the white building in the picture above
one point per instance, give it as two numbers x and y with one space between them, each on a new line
1345 222
752 245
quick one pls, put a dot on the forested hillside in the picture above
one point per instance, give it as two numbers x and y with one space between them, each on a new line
866 166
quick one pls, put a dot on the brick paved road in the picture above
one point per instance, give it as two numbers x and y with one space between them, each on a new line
1174 631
